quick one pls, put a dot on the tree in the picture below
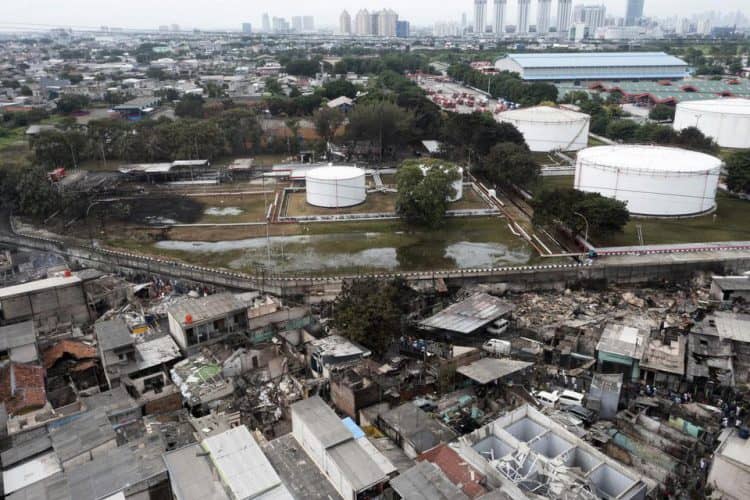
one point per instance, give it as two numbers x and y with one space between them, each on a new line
474 134
510 164
423 197
370 311
693 138
337 88
36 196
302 67
738 171
273 86
383 121
26 91
73 102
291 141
578 210
622 130
327 121
190 106
662 113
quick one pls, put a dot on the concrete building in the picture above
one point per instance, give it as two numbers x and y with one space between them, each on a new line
331 445
297 24
350 392
333 353
592 16
524 452
362 26
480 16
719 350
51 303
88 437
403 29
266 23
564 9
425 481
729 288
308 24
498 27
18 343
544 8
345 23
524 6
195 322
633 12
594 66
247 28
387 23
413 430
730 468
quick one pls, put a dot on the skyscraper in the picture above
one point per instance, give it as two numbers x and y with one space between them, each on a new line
542 15
402 29
563 16
247 28
362 23
633 12
480 16
297 24
499 26
345 23
387 21
308 24
523 16
266 23
592 16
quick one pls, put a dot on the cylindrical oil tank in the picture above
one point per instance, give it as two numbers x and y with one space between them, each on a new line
727 121
546 128
335 186
654 180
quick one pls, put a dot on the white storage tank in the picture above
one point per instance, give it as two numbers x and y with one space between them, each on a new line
653 180
458 185
548 129
727 120
335 186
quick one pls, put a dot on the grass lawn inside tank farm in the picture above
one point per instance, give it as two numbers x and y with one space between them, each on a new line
732 223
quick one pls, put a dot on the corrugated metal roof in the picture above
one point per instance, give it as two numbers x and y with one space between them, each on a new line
359 469
469 315
425 481
38 285
733 326
54 487
191 476
243 467
113 334
488 370
321 420
623 340
596 59
30 472
85 433
17 335
206 308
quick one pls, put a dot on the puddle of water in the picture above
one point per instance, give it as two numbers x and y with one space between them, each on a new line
223 211
314 253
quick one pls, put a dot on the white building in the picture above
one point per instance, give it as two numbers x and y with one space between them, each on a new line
730 470
564 8
523 16
480 16
543 16
345 23
592 16
362 26
499 26
387 20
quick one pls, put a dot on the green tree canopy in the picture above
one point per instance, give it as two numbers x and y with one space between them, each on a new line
574 209
423 197
190 106
738 171
370 311
473 135
327 121
36 196
72 102
383 123
510 164
662 113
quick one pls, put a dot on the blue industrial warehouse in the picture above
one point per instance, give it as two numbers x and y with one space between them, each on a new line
595 66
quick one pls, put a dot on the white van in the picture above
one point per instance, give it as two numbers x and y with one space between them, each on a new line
571 398
548 399
498 327
497 346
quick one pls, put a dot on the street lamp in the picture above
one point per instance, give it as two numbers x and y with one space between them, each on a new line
586 235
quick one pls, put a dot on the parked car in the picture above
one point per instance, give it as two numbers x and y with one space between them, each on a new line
587 416
571 398
548 399
498 327
497 347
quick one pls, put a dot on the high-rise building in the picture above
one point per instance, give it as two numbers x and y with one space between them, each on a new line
480 16
308 24
387 21
633 12
447 29
499 27
362 25
591 16
464 21
704 27
564 8
297 23
543 15
374 24
247 28
523 16
175 27
345 23
402 29
266 23
280 25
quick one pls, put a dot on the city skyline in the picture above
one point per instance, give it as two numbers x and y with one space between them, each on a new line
38 14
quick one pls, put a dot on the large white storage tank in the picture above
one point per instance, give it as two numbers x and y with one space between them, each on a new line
653 180
335 186
727 120
548 129
458 185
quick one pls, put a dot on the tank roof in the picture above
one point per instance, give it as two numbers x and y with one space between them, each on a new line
334 172
649 158
729 106
547 114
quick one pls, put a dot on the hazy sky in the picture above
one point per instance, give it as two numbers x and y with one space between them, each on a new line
230 13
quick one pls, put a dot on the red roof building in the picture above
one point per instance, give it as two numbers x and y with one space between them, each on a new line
22 388
460 473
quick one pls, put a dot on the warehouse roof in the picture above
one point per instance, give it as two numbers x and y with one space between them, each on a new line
322 422
112 334
38 285
469 315
596 59
206 308
486 370
359 469
191 475
426 481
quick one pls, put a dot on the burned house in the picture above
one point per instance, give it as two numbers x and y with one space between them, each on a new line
663 362
333 353
22 388
350 392
196 322
719 350
413 429
267 317
729 288
730 469
479 315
